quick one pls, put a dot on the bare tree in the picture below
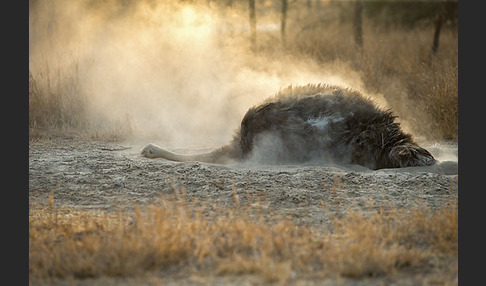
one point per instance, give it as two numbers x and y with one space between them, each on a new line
358 23
438 26
252 24
284 20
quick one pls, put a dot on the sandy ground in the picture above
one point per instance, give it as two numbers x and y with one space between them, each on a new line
101 176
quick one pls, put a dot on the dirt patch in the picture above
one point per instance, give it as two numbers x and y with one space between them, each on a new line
104 176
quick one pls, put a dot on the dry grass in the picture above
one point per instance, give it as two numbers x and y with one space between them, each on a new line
54 104
68 243
397 63
57 108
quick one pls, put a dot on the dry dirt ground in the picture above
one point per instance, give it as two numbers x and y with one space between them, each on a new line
101 176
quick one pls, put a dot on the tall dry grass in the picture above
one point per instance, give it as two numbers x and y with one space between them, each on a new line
396 62
69 243
58 108
55 100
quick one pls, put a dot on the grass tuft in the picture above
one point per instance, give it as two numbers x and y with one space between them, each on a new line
82 244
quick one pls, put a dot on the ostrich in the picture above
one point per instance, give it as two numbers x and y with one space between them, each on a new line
316 122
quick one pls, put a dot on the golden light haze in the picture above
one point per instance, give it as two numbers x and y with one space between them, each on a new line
177 73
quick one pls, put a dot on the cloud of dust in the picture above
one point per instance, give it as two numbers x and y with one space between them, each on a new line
178 74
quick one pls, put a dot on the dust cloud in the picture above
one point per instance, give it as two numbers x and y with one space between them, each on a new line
173 73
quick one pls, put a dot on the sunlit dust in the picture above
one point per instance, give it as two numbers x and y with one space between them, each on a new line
173 71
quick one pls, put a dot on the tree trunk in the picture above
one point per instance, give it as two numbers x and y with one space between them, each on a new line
252 25
438 26
358 24
284 20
